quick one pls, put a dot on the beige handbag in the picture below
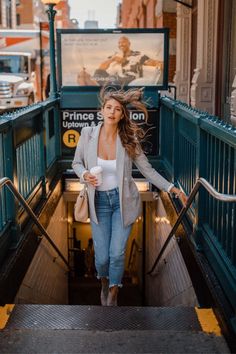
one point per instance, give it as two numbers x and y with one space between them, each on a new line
81 206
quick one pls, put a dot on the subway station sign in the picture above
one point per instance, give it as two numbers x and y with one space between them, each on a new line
72 122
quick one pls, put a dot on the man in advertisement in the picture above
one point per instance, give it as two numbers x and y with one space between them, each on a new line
126 67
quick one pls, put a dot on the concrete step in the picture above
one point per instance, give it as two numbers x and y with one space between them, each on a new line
97 329
74 341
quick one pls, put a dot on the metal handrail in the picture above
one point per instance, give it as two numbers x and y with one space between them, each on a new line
219 196
6 181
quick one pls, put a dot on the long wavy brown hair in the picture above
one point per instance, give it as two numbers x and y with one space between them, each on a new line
131 134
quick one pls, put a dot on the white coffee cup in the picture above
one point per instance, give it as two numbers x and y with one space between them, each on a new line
97 171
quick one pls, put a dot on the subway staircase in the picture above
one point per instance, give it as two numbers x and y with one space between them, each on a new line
86 327
124 329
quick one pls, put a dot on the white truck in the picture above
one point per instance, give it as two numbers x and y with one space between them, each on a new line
23 67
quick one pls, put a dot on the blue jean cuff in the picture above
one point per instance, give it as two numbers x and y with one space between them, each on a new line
119 285
102 276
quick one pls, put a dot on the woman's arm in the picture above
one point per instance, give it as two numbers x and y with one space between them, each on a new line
151 174
155 178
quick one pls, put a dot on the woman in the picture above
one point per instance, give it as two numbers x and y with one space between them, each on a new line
115 204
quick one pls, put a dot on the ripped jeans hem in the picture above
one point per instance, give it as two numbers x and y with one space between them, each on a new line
119 285
110 285
102 276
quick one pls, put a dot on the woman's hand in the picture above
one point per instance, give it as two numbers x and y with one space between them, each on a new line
179 194
91 179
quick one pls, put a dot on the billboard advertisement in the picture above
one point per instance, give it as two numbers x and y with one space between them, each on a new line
124 58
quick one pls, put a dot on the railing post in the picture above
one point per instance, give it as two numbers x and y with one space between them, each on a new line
57 130
144 256
167 149
43 155
11 172
9 169
176 159
200 200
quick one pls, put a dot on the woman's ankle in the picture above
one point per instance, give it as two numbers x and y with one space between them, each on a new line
104 291
112 296
114 290
105 283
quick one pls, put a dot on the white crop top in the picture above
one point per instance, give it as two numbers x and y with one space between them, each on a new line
109 178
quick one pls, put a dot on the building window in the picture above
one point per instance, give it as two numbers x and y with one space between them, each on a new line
8 14
144 10
18 19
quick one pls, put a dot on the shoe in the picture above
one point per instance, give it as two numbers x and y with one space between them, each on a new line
104 295
112 299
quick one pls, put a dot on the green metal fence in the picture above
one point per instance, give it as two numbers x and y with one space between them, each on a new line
29 165
195 144
2 194
29 145
219 144
5 162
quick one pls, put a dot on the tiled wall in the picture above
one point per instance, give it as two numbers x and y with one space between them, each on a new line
170 285
46 280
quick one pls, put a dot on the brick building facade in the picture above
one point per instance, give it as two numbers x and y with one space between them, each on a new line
25 18
63 15
27 14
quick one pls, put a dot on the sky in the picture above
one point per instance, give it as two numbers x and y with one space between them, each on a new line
103 11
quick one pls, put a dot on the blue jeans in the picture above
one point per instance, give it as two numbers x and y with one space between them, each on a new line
109 237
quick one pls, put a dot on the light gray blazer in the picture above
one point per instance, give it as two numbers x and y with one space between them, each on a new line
130 204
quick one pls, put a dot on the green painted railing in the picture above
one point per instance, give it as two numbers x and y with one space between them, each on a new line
219 145
2 194
29 165
195 144
29 145
5 166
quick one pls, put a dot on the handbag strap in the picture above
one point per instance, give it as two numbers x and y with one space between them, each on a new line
84 190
